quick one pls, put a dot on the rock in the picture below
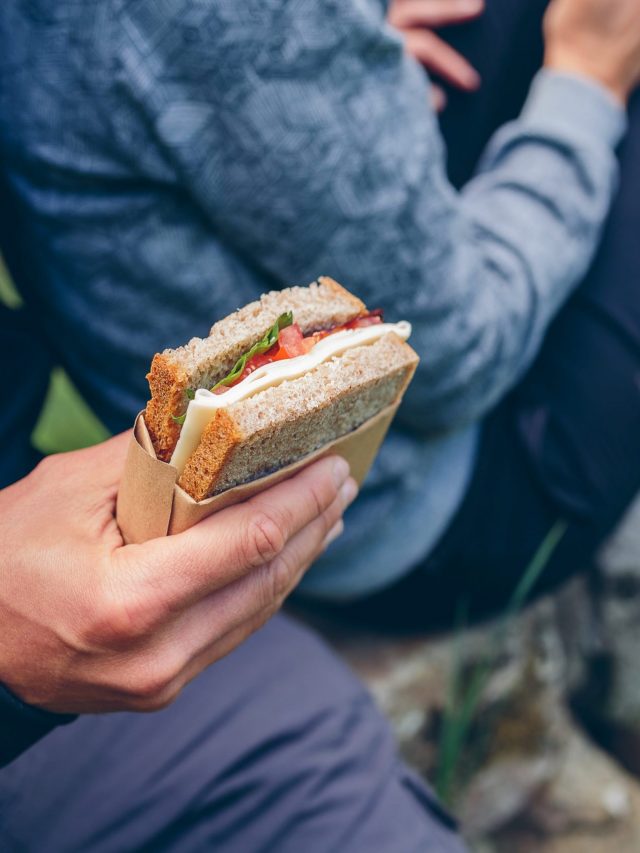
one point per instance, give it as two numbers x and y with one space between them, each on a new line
511 746
525 775
577 812
501 792
588 791
617 622
600 631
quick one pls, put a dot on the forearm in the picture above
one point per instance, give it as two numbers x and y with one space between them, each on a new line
529 224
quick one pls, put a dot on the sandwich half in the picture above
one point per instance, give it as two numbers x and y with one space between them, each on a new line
272 383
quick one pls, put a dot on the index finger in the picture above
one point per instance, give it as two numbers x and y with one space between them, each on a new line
183 568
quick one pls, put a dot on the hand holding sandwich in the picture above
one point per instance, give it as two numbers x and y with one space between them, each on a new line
92 625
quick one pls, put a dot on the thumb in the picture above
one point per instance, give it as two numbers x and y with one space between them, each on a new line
237 540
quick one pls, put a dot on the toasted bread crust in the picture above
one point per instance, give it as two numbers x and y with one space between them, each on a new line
359 308
168 383
219 440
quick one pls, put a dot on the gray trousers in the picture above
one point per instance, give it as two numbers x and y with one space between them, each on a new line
275 748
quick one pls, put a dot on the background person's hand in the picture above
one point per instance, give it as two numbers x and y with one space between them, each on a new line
416 19
88 624
598 39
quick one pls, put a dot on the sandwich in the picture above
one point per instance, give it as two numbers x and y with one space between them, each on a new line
272 383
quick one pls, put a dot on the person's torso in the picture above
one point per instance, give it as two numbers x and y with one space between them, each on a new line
118 261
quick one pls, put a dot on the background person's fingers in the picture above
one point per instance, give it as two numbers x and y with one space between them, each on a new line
433 13
441 59
174 571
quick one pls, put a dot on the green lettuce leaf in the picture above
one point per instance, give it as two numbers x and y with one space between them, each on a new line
263 345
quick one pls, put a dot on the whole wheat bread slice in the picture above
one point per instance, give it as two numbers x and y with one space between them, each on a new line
282 424
203 361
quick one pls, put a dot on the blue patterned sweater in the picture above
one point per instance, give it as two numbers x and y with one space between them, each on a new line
173 159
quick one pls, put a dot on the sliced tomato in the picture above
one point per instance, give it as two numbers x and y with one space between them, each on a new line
260 360
253 364
290 342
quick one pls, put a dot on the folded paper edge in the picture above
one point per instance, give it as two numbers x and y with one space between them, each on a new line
151 504
145 496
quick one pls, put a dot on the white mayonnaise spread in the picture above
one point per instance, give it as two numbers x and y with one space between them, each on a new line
202 408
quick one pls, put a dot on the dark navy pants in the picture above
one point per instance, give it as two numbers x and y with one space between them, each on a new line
275 748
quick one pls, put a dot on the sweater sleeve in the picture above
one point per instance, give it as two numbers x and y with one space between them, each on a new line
22 725
304 134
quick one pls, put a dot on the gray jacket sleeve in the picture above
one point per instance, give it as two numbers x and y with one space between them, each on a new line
305 135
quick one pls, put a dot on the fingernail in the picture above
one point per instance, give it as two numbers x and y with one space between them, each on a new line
340 470
332 535
348 492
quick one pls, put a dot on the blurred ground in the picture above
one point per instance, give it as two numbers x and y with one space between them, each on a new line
527 776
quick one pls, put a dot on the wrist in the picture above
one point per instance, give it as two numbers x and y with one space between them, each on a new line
567 62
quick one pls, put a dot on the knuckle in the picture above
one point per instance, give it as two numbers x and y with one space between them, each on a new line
44 465
264 539
277 579
46 468
148 686
61 463
116 619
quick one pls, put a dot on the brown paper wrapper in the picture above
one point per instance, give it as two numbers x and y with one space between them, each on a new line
151 504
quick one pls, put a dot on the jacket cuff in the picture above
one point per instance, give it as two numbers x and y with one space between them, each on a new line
575 107
22 725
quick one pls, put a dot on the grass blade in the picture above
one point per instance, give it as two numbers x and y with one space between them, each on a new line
463 704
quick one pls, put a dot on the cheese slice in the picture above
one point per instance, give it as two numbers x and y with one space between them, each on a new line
201 410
